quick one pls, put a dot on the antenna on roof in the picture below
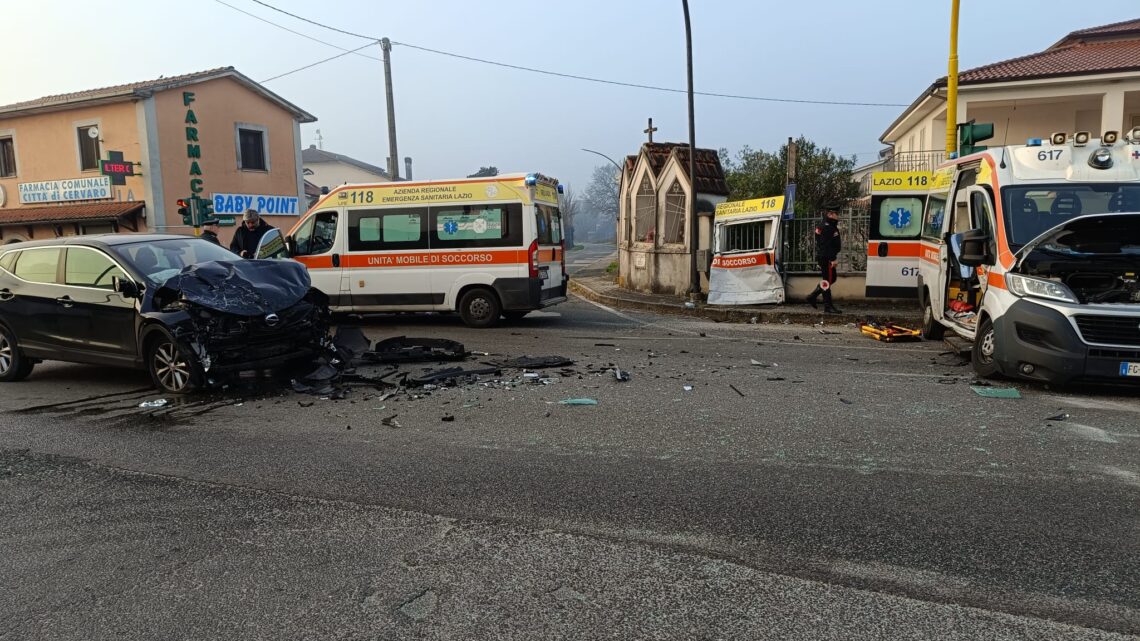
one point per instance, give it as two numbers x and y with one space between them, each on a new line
1005 138
320 140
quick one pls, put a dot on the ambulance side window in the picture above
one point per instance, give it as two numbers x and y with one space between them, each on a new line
386 229
935 216
899 217
474 226
317 234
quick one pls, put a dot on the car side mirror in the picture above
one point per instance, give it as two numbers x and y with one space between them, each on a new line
290 245
271 245
974 248
125 286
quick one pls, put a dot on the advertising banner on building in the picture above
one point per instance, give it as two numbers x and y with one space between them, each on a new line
743 269
66 190
265 204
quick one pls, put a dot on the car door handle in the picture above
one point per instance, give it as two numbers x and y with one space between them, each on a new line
65 301
6 294
882 250
336 260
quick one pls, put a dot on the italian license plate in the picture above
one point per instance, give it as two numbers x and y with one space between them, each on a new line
1130 369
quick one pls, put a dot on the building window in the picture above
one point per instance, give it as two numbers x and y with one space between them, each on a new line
645 218
7 157
744 237
675 214
252 152
89 151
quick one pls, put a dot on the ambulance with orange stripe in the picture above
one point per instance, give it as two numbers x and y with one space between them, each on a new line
485 247
1033 253
898 199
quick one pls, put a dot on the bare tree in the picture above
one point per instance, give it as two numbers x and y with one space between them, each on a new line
569 205
600 202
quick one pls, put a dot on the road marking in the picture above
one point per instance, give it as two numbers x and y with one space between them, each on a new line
1094 404
611 310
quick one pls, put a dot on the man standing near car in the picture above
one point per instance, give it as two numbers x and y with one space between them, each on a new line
249 234
210 231
827 246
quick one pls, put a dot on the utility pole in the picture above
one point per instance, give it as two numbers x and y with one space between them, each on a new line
952 84
393 156
793 150
694 275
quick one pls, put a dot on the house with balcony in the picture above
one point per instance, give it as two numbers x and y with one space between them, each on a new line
1089 80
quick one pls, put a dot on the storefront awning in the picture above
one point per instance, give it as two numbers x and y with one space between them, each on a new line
86 213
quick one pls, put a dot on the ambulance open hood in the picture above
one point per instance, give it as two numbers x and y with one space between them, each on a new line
1095 234
1096 258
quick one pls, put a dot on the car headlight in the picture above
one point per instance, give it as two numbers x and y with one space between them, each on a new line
1038 288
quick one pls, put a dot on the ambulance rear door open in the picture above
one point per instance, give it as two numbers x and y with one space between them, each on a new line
898 199
743 270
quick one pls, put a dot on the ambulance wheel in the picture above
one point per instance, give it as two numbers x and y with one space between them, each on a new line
932 330
985 344
479 307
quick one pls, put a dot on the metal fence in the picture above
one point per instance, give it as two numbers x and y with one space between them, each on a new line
798 243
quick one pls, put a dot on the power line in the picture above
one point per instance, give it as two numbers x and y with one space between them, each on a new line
298 33
319 62
650 87
578 77
313 22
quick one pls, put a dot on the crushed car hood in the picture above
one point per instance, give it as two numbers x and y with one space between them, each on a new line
1092 234
242 287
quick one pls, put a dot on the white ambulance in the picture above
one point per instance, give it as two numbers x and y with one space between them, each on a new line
898 199
1033 253
485 247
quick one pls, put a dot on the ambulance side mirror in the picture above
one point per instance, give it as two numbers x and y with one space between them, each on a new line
974 248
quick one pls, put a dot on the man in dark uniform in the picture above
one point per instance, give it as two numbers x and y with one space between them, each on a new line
249 234
210 231
827 245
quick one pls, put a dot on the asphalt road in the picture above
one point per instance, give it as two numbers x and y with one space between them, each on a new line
843 489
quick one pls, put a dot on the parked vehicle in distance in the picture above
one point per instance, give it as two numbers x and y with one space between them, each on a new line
484 247
186 310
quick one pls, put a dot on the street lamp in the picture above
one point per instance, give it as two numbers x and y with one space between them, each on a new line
694 276
604 156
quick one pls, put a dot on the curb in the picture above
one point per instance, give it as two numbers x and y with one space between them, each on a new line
739 315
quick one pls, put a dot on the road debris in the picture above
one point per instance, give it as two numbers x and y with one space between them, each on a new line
889 332
535 362
1058 417
161 402
757 363
996 392
622 376
578 401
391 421
735 389
687 388
402 349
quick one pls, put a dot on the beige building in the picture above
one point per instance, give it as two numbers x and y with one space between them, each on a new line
326 169
654 242
1087 81
118 159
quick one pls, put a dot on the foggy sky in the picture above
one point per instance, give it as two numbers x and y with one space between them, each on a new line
454 115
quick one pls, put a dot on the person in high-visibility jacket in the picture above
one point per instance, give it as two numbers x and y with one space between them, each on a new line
827 246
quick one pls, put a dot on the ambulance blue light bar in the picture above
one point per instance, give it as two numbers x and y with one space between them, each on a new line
561 189
531 180
1034 142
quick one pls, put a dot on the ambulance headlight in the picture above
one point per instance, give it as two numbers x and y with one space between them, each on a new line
1101 158
1038 288
1080 139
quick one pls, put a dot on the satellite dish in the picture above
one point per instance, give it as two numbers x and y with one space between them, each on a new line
93 132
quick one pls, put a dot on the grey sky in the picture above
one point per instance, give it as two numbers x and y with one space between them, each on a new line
454 115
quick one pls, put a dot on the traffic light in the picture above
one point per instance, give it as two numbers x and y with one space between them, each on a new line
185 211
205 209
970 134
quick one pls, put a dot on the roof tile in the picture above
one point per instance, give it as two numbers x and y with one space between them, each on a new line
1081 58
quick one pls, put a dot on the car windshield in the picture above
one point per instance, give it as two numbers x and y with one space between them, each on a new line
1030 211
159 260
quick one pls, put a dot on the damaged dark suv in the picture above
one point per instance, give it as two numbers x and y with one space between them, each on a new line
187 311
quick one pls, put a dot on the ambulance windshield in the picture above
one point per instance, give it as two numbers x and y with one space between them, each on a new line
1031 210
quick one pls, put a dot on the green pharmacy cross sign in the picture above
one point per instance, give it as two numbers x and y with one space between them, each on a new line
117 168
